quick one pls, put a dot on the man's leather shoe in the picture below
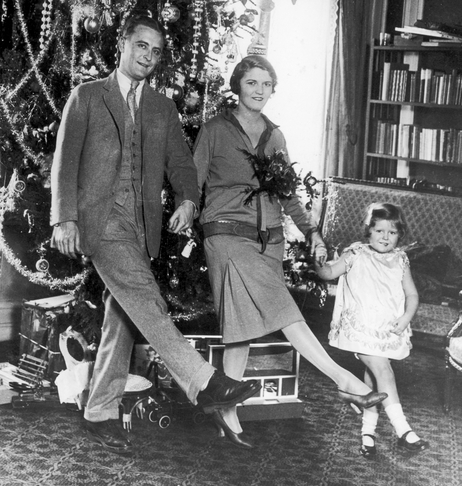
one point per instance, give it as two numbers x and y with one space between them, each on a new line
224 392
110 435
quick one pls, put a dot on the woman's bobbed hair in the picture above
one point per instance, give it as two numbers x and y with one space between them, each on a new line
245 65
388 212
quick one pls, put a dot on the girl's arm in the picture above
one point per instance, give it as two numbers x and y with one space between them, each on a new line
332 269
411 305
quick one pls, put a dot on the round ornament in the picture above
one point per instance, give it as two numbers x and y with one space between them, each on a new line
170 13
42 265
92 25
214 73
19 186
177 92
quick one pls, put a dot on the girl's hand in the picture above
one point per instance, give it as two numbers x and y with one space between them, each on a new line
400 325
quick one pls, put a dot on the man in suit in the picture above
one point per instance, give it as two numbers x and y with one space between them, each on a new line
116 140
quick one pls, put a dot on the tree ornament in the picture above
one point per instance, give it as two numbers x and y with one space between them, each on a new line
92 25
213 73
174 282
187 47
170 13
42 265
19 186
192 100
190 245
175 92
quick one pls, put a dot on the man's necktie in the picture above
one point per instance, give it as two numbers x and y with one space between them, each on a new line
131 98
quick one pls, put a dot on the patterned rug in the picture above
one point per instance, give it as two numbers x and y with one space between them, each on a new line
48 446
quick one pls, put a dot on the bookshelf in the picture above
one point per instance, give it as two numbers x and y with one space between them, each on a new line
414 117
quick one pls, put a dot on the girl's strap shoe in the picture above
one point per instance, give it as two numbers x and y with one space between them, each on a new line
368 451
418 446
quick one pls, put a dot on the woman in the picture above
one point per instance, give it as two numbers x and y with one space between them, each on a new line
244 242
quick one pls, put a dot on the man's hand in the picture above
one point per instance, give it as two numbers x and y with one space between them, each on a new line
66 239
182 219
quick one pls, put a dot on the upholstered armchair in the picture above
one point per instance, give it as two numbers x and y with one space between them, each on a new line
453 358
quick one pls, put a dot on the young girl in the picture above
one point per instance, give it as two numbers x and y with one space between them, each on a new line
376 300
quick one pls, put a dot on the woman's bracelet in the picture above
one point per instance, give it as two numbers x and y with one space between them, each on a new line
311 231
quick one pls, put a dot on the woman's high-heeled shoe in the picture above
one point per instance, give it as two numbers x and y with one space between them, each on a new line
357 402
224 430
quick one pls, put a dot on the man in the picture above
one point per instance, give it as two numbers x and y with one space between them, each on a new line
107 178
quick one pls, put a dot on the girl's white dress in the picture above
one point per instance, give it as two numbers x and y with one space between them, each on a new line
370 297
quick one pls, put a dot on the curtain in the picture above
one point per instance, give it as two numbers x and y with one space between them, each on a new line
343 142
301 42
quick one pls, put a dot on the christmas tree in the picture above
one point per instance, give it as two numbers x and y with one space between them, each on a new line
47 49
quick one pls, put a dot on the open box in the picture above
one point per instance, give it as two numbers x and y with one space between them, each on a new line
276 366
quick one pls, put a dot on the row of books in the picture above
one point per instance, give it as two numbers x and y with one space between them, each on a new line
416 142
398 83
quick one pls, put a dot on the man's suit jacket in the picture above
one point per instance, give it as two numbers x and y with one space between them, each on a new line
88 158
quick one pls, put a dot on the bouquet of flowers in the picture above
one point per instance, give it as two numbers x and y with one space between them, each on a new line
275 174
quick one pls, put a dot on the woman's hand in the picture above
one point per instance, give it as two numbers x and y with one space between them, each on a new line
318 249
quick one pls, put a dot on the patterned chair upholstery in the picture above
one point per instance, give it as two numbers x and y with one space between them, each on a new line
453 358
433 219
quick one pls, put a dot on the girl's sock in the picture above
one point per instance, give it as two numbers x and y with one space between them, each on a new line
399 422
370 419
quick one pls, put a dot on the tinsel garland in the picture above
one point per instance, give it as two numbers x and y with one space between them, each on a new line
43 278
28 74
99 61
38 160
187 312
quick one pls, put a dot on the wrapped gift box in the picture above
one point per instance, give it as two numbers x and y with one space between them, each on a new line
39 331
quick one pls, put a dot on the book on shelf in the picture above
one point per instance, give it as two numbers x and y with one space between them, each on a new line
404 140
426 75
413 93
442 43
393 81
409 29
385 138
